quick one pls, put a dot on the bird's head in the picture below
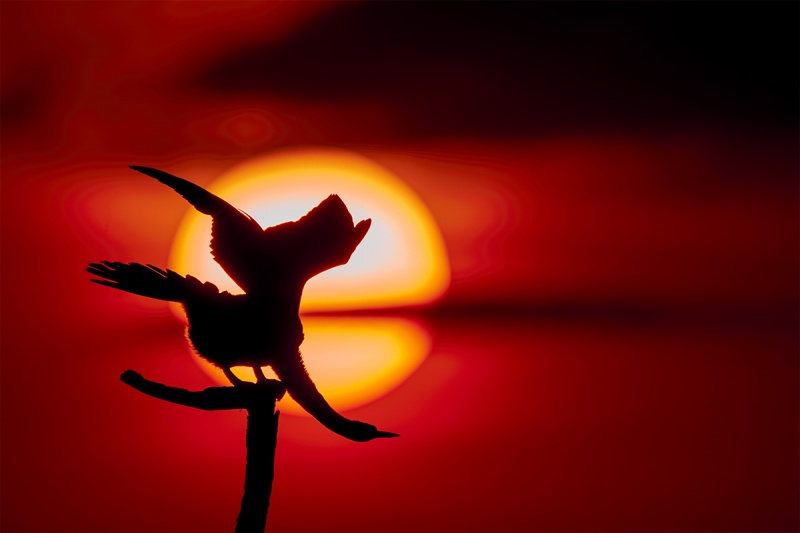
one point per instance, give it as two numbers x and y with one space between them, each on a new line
362 432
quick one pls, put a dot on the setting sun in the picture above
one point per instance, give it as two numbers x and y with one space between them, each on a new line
402 260
353 360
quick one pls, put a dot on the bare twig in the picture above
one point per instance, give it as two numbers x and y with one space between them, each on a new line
262 433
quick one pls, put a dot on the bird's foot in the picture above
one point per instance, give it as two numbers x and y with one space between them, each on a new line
231 377
260 377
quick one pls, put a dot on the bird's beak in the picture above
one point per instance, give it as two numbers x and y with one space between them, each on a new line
385 435
144 170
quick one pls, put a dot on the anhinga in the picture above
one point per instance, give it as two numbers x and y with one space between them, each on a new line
262 326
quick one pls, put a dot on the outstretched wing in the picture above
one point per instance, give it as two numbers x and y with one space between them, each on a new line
235 235
320 240
290 252
151 281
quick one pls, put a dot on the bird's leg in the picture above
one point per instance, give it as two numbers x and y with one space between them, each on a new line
231 377
260 377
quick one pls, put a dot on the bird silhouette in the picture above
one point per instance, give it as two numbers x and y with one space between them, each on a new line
262 326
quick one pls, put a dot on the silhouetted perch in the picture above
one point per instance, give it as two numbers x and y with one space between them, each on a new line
244 396
262 433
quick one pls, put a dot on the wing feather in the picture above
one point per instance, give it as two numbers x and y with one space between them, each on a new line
235 235
288 253
322 239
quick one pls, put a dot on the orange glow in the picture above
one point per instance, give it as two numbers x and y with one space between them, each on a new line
402 261
352 360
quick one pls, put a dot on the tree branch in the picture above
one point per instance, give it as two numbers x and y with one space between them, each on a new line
251 396
262 439
262 433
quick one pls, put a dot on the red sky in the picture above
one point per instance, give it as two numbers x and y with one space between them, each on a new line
616 185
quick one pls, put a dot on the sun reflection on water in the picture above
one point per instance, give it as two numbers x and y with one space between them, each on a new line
352 360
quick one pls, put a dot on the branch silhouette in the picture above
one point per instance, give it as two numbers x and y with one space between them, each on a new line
261 439
251 396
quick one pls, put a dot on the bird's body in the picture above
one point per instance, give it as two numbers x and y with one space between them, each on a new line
261 327
237 330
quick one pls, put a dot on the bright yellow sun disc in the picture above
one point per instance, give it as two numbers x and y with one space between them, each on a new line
401 262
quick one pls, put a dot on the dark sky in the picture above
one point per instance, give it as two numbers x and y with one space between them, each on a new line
526 68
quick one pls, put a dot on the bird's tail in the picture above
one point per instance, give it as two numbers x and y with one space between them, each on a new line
145 280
